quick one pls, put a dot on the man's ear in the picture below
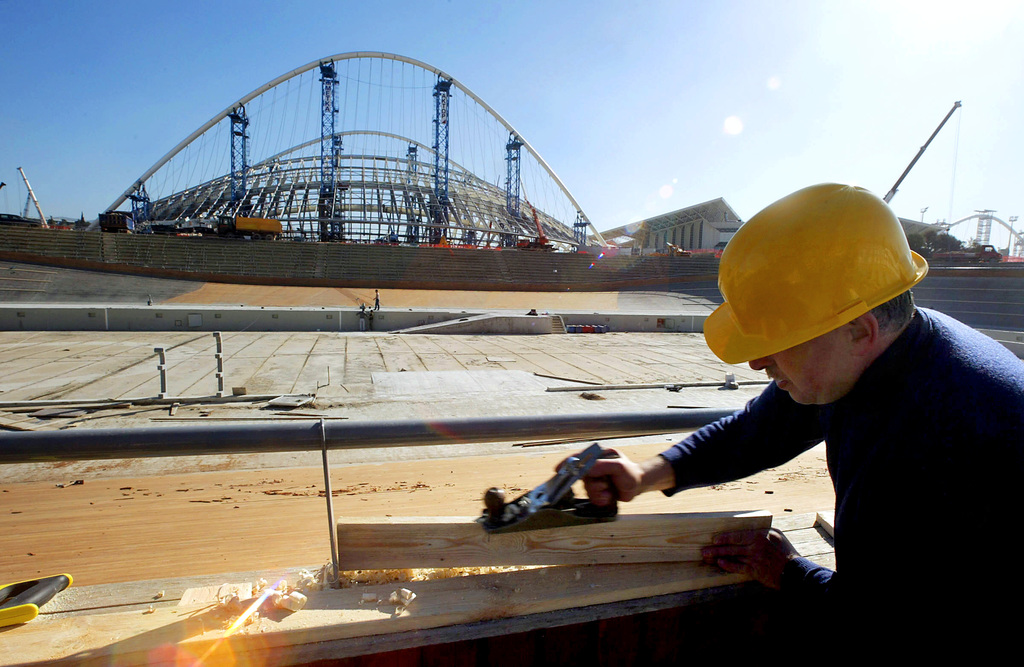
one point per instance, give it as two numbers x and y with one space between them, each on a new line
864 334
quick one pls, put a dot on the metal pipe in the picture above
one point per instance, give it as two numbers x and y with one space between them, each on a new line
243 438
671 386
32 196
332 530
892 192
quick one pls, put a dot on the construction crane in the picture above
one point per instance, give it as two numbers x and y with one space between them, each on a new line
539 243
892 192
32 198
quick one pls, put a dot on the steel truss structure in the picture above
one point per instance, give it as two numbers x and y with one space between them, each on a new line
388 185
381 199
1014 245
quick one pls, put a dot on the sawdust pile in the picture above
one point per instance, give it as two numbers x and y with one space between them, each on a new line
375 577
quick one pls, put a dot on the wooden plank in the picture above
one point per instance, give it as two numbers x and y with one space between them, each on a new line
15 422
420 542
827 522
34 406
807 535
809 542
291 401
166 633
52 413
206 594
788 521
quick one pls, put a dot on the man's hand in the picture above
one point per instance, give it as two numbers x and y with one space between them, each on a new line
613 478
619 478
762 554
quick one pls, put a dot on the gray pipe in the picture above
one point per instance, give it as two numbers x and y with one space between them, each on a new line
242 438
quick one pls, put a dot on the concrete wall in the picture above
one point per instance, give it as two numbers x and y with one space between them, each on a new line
641 322
241 318
249 318
53 318
517 325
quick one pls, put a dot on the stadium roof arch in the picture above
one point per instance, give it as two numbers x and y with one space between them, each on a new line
397 154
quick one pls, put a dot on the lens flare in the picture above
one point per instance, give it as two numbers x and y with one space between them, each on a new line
733 125
240 621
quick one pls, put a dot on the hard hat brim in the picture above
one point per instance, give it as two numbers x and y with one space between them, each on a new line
733 346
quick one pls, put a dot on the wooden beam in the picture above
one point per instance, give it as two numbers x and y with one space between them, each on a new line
827 520
190 632
15 422
423 542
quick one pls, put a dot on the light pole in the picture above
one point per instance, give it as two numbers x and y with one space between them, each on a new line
1013 244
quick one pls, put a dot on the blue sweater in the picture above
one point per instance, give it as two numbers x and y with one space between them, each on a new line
926 455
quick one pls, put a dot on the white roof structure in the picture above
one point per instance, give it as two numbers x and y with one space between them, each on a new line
704 226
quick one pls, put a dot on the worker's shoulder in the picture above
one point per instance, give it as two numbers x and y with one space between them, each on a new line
960 340
969 360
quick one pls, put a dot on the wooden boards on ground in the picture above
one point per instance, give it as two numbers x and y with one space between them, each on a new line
184 634
420 542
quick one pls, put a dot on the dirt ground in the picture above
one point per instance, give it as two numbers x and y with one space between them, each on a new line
110 529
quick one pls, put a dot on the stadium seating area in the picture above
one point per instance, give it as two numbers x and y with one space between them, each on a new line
353 265
985 297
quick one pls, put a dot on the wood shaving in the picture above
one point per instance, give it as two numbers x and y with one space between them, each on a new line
391 576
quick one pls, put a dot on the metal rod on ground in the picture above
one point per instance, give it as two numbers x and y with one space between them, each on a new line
162 367
665 385
110 403
291 436
331 526
219 356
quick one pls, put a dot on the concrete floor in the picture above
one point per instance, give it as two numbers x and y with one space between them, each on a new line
127 515
368 376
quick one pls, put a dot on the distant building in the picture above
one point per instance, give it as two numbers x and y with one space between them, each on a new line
18 221
917 227
707 226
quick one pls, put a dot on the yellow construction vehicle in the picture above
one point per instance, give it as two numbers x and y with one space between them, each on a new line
254 228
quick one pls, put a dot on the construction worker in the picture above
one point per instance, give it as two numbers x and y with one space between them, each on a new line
922 418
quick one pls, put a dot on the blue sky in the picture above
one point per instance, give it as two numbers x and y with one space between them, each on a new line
640 108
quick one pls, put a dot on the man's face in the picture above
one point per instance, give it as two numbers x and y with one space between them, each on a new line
814 373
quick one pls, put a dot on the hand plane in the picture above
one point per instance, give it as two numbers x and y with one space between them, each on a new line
551 504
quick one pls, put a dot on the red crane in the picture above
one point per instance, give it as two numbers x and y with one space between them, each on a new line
539 243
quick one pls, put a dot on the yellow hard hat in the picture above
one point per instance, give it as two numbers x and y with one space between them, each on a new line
806 265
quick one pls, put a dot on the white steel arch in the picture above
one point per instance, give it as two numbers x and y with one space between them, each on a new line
141 181
350 133
1016 238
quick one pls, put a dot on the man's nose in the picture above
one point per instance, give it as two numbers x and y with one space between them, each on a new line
760 364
